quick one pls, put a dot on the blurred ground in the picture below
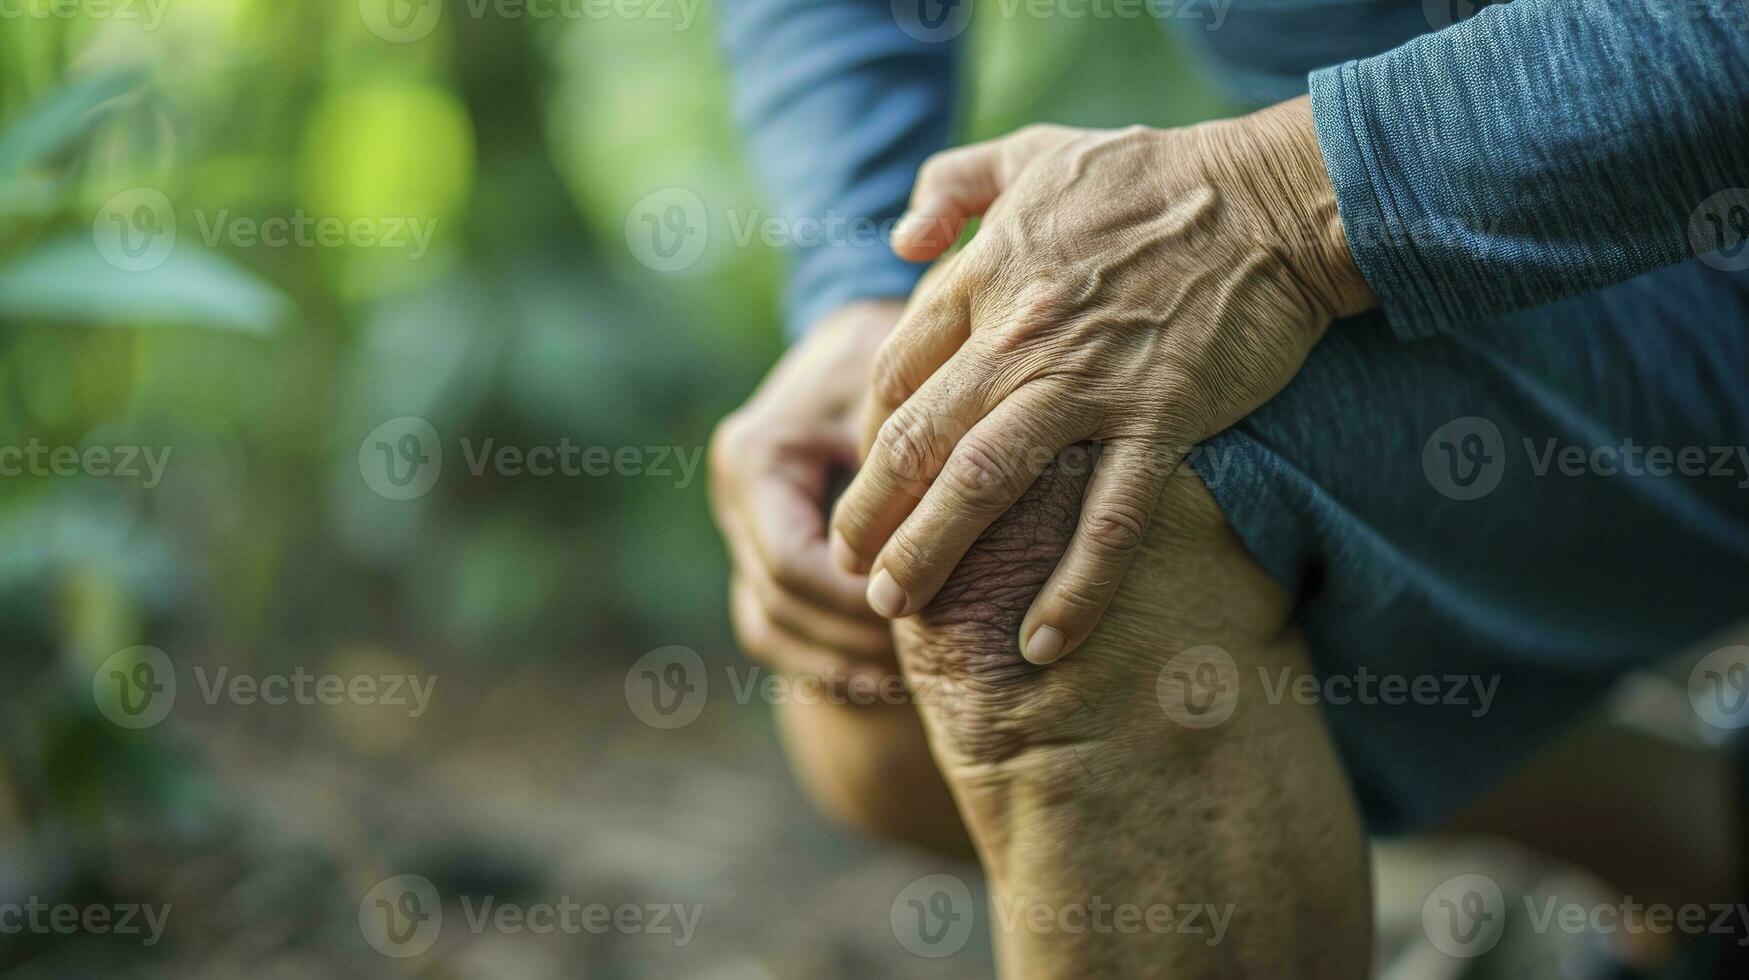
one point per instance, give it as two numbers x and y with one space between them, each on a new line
544 787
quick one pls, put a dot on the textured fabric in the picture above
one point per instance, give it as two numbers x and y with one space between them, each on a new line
1538 150
1556 578
1468 162
839 107
1259 51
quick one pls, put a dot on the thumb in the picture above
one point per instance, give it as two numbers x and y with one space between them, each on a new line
956 185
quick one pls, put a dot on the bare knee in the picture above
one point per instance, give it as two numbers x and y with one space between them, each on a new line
1192 584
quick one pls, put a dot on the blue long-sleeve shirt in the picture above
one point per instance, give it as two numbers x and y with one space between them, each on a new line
1540 149
1405 493
839 107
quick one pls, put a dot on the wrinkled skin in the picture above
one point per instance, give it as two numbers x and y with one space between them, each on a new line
1077 785
1139 288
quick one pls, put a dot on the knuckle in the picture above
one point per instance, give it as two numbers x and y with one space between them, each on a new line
975 472
1115 531
905 446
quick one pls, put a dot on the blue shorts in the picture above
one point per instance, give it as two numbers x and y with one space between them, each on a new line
1546 500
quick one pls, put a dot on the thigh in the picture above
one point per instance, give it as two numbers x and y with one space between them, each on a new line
1515 513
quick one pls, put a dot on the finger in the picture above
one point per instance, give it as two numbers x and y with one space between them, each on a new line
931 331
913 445
952 186
864 636
768 642
990 468
786 527
1114 515
858 633
955 185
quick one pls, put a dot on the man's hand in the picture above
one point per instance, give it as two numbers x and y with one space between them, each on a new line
771 466
1141 288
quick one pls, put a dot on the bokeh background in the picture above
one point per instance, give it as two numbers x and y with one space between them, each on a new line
128 131
524 144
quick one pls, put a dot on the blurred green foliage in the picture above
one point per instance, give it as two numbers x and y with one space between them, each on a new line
523 144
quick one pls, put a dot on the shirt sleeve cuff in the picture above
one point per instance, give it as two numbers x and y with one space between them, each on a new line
1373 219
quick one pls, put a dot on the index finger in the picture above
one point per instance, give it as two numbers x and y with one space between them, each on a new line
913 445
935 323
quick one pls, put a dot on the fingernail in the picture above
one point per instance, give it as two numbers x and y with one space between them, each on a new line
906 224
1045 646
885 596
843 556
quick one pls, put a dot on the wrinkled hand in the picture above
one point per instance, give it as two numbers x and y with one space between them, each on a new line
771 465
1140 288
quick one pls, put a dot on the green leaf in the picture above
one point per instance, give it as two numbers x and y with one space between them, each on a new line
68 280
55 122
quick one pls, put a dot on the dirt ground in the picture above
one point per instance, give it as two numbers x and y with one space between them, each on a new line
530 787
537 786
